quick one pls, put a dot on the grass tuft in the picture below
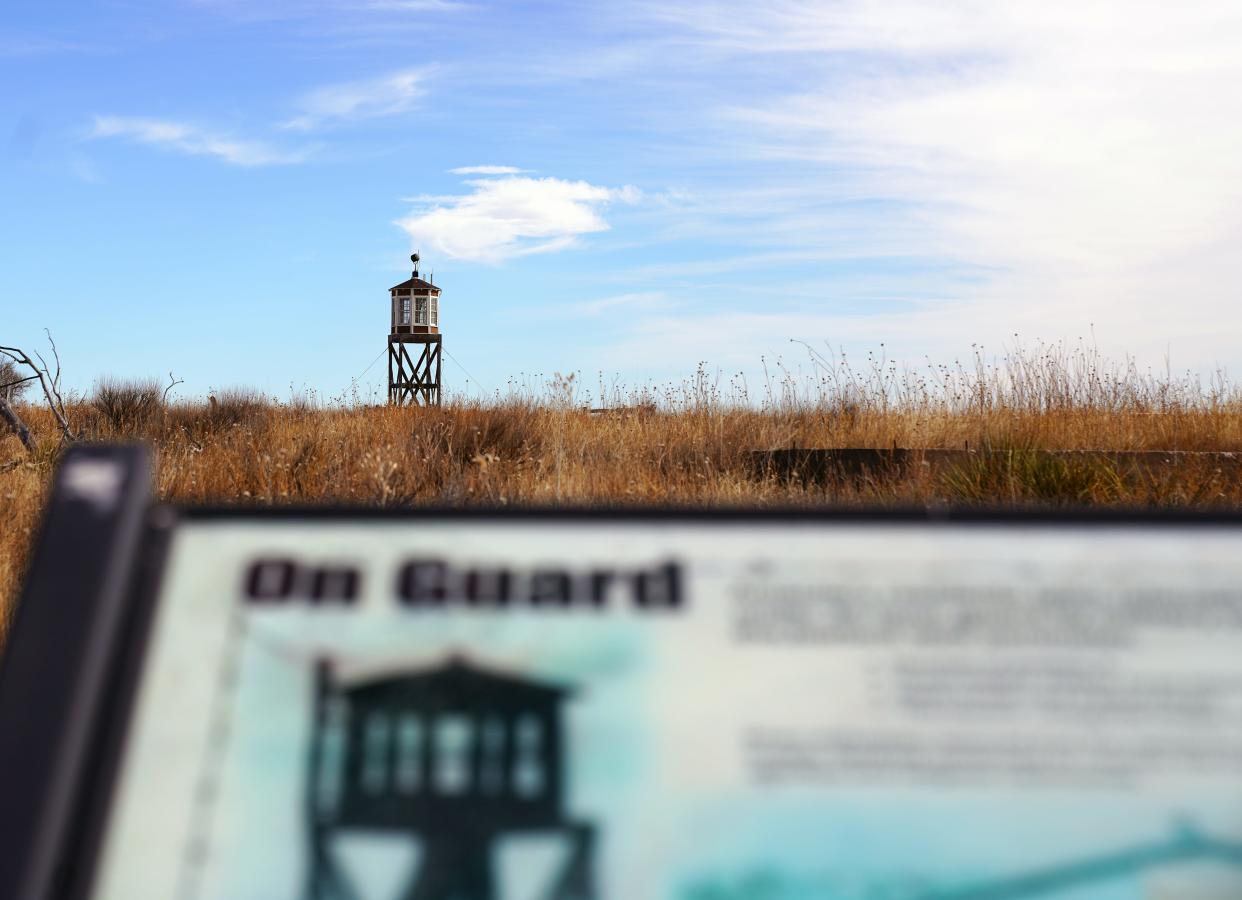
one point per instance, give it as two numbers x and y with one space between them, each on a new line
1026 475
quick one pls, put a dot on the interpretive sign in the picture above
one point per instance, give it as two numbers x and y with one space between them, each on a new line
657 706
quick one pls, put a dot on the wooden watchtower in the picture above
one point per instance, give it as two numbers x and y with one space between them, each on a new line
414 378
455 757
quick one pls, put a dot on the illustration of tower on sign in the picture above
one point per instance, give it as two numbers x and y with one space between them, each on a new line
456 757
414 342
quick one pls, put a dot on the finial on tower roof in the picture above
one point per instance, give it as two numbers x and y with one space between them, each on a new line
414 259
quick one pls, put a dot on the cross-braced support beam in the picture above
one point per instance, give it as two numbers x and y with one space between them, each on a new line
414 377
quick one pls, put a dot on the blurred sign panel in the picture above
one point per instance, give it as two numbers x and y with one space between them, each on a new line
690 707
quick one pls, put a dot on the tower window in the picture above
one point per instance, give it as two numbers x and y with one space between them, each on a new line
375 753
435 310
528 774
408 772
492 764
454 743
405 311
420 311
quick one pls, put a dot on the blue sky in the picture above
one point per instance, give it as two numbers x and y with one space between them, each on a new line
227 188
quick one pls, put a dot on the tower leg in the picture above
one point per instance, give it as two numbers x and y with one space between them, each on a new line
577 881
436 355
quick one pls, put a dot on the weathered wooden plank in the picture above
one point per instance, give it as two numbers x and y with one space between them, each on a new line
818 465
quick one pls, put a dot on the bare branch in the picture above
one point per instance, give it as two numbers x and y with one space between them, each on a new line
12 384
9 415
173 381
55 356
49 383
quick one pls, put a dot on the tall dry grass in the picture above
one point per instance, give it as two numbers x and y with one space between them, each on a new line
683 444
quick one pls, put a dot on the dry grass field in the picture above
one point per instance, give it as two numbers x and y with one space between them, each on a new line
685 445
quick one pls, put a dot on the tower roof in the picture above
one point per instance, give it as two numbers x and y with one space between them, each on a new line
458 681
416 284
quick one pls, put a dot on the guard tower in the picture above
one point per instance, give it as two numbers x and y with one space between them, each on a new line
456 757
414 378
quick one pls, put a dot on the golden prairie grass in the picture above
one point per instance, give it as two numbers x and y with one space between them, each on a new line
685 445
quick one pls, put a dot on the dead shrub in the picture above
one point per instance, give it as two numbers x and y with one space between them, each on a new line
234 406
127 406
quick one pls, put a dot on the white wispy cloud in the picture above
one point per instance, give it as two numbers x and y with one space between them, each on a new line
512 216
1087 154
486 170
389 95
193 140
